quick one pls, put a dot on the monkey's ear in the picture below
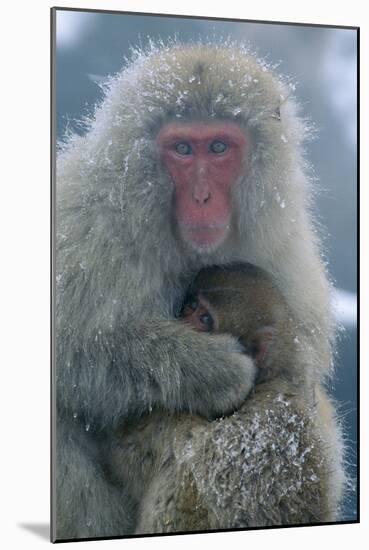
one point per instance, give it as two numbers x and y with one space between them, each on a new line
263 340
277 113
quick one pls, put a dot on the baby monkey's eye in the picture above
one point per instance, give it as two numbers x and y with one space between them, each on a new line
207 320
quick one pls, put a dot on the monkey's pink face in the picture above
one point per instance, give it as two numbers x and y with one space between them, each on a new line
198 313
204 162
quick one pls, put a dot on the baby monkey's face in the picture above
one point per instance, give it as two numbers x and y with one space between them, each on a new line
198 312
244 302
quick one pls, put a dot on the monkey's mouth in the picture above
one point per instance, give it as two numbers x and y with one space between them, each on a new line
205 235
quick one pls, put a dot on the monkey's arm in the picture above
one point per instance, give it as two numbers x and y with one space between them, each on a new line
268 464
161 364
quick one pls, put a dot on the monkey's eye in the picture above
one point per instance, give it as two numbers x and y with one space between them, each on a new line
207 320
183 148
218 147
193 304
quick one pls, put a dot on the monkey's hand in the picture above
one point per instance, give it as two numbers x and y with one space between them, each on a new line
218 387
156 364
184 370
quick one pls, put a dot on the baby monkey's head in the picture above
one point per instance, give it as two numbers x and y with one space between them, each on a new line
242 300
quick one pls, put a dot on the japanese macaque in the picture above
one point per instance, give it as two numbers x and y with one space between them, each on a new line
193 158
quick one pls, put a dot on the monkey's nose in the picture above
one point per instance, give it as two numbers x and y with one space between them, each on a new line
201 194
202 200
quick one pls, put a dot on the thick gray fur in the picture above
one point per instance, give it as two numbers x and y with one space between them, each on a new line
122 270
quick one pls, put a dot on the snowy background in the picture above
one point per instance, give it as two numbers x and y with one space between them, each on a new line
322 62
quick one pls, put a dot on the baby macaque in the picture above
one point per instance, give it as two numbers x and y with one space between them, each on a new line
243 300
195 473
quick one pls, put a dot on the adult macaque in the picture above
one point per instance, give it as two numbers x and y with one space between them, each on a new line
192 159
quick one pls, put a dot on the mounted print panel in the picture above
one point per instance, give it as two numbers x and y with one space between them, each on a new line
204 274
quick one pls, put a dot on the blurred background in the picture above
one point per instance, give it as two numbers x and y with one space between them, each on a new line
323 63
